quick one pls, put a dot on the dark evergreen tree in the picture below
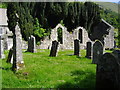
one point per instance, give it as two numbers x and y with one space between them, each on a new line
11 14
49 14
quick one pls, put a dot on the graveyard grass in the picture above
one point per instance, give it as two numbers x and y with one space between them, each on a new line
42 71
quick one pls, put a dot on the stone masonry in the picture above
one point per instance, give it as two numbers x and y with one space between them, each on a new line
54 49
32 44
77 47
1 48
97 51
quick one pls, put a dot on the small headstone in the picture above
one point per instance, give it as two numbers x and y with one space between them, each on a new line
54 49
89 50
2 56
32 44
6 42
97 51
77 47
108 72
18 62
10 56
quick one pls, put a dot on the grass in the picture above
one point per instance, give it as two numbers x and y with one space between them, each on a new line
63 71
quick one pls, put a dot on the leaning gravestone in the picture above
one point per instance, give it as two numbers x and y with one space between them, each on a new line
108 72
10 56
32 44
77 47
18 62
54 49
89 50
97 51
1 48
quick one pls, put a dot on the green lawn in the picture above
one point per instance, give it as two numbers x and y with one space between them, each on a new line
63 71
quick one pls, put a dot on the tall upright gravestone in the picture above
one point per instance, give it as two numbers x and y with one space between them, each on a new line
97 51
18 62
54 49
1 48
32 44
77 47
108 72
89 50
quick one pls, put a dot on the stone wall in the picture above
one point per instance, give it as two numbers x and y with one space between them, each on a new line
84 36
68 38
109 39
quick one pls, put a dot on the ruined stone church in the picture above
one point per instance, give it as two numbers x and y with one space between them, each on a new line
67 40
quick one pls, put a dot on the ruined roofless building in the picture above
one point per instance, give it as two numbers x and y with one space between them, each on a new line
4 31
67 40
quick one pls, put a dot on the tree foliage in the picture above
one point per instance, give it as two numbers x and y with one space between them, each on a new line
11 14
38 31
110 16
49 14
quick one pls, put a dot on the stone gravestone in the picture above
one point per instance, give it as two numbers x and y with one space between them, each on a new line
108 72
10 56
117 54
89 50
32 44
5 42
77 47
54 49
1 48
97 51
18 62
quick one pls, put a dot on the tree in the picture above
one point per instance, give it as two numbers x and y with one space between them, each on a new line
49 14
39 32
25 19
11 14
74 15
92 16
119 24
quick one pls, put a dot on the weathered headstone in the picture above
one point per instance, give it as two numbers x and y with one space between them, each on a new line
32 44
18 62
1 48
89 50
117 54
6 42
77 47
10 56
97 51
108 72
54 49
115 46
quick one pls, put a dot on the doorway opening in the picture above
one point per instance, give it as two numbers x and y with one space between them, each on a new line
59 32
80 36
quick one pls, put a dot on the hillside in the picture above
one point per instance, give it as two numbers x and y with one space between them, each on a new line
109 5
